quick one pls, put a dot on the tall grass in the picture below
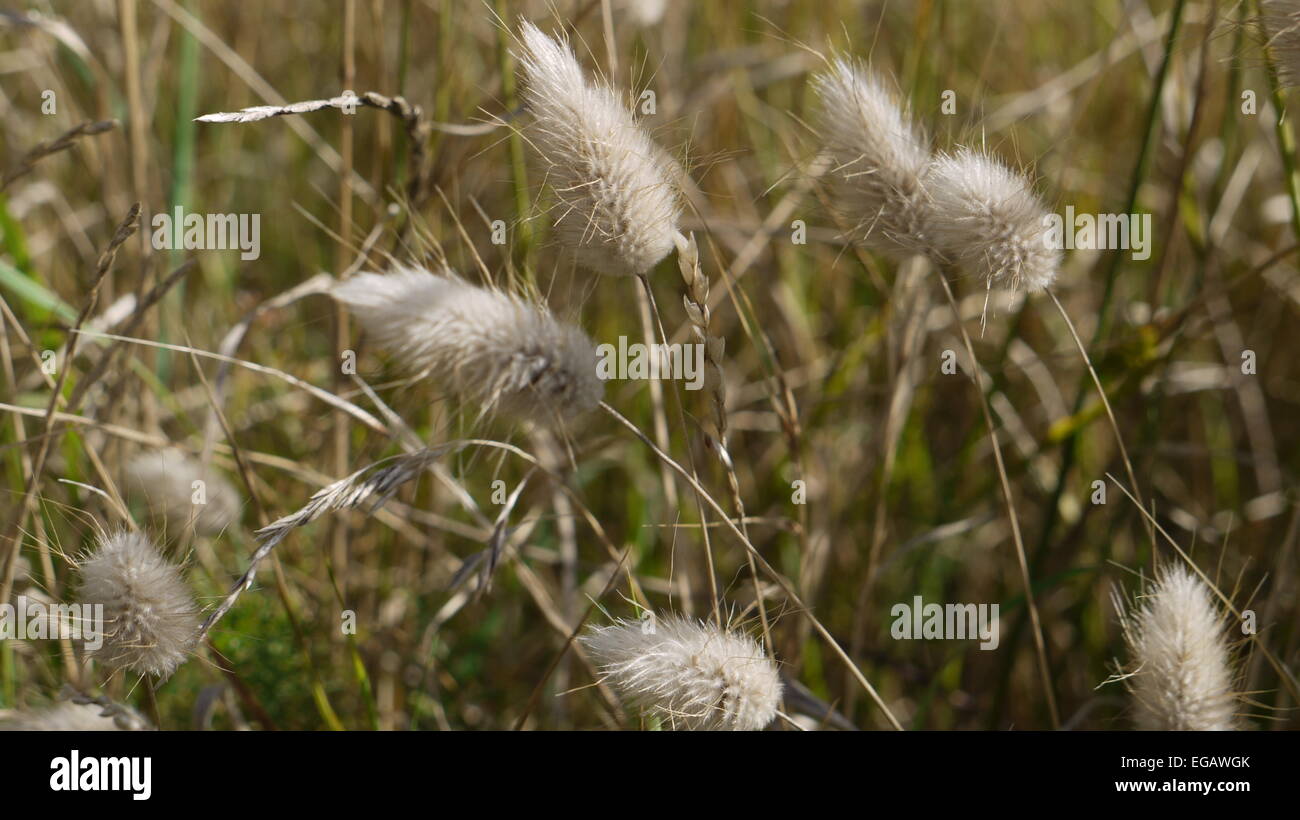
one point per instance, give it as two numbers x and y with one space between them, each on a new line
365 492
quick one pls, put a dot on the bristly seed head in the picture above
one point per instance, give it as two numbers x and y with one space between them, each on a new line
507 354
1181 678
985 218
150 618
878 156
691 675
616 201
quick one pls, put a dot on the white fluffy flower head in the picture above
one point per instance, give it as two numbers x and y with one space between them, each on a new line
1181 677
691 675
150 619
878 156
616 204
985 218
68 716
505 353
165 480
641 13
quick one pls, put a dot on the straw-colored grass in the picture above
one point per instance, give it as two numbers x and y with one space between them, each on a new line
421 507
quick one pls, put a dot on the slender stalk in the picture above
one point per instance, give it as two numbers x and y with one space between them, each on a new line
670 489
1139 169
1069 450
518 163
701 319
1105 402
649 313
1040 648
780 580
1285 139
339 432
27 505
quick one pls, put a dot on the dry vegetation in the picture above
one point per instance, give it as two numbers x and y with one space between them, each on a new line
838 468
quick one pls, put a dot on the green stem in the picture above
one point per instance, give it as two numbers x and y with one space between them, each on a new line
518 165
1285 140
1069 453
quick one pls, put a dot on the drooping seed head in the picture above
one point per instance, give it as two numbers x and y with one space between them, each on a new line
184 491
1181 676
878 156
616 205
150 619
508 354
986 220
691 675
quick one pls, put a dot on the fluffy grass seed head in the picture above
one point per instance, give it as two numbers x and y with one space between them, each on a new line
689 674
640 13
1281 23
616 202
505 353
75 716
1181 678
878 156
150 618
985 218
168 481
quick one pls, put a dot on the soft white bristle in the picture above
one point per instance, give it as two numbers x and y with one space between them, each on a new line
166 481
879 156
985 218
1281 22
507 354
640 13
617 206
691 675
150 619
68 716
1181 677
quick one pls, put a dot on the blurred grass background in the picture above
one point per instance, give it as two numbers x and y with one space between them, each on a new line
893 452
